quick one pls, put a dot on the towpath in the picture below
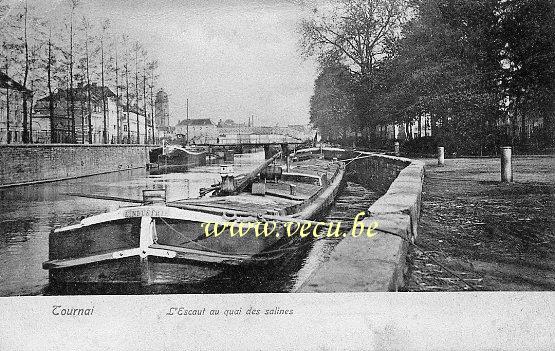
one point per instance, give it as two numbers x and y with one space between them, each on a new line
495 236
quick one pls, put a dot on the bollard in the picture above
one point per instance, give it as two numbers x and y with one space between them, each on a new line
506 166
288 162
440 155
397 150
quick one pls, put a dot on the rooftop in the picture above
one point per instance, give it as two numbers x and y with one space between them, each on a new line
196 122
80 93
8 83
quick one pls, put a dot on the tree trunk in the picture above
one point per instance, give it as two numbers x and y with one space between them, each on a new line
523 134
71 97
31 119
444 129
433 125
549 131
137 97
8 134
118 122
25 137
144 106
53 136
104 114
152 109
127 103
82 122
89 110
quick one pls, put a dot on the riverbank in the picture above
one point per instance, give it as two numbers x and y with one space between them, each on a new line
495 236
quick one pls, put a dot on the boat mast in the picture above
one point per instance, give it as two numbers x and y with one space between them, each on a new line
187 138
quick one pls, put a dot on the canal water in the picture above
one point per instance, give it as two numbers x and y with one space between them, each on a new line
29 213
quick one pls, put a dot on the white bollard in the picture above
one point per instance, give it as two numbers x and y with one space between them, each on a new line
397 150
506 164
440 155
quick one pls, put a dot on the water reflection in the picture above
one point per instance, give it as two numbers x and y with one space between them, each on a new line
29 213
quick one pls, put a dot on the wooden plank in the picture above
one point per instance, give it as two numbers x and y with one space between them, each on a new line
95 239
200 255
126 270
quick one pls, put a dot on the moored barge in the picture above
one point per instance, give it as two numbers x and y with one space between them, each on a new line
161 242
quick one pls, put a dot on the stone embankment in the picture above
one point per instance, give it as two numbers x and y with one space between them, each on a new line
378 263
28 164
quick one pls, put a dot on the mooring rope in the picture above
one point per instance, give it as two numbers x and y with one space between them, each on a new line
269 252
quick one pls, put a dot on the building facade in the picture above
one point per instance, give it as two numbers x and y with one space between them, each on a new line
195 131
84 127
11 110
135 123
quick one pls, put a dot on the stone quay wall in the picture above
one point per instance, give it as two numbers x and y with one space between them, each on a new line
28 164
378 263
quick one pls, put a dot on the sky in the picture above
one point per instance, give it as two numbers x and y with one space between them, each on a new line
231 59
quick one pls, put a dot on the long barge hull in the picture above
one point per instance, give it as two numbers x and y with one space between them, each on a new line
166 244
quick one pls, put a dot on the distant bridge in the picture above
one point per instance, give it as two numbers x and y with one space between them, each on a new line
249 140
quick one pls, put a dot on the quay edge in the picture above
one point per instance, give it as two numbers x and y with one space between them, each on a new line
378 263
24 164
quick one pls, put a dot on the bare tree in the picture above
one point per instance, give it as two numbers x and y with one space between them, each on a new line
26 75
152 66
357 34
73 6
356 31
137 49
104 112
87 27
116 70
145 64
49 64
126 68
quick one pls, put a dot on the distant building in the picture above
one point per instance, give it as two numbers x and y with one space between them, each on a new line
64 122
11 100
135 115
229 123
198 130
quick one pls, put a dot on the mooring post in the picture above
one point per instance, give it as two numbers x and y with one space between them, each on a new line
284 150
506 164
267 154
397 149
287 163
440 155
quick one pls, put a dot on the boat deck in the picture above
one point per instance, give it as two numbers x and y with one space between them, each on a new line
278 197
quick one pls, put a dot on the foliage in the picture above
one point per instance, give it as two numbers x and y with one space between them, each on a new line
332 105
469 64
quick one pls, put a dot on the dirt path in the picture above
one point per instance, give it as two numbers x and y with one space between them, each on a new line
496 236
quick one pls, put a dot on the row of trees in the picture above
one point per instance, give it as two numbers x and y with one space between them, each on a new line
471 66
62 48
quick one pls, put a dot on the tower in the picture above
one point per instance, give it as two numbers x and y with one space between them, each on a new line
162 112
